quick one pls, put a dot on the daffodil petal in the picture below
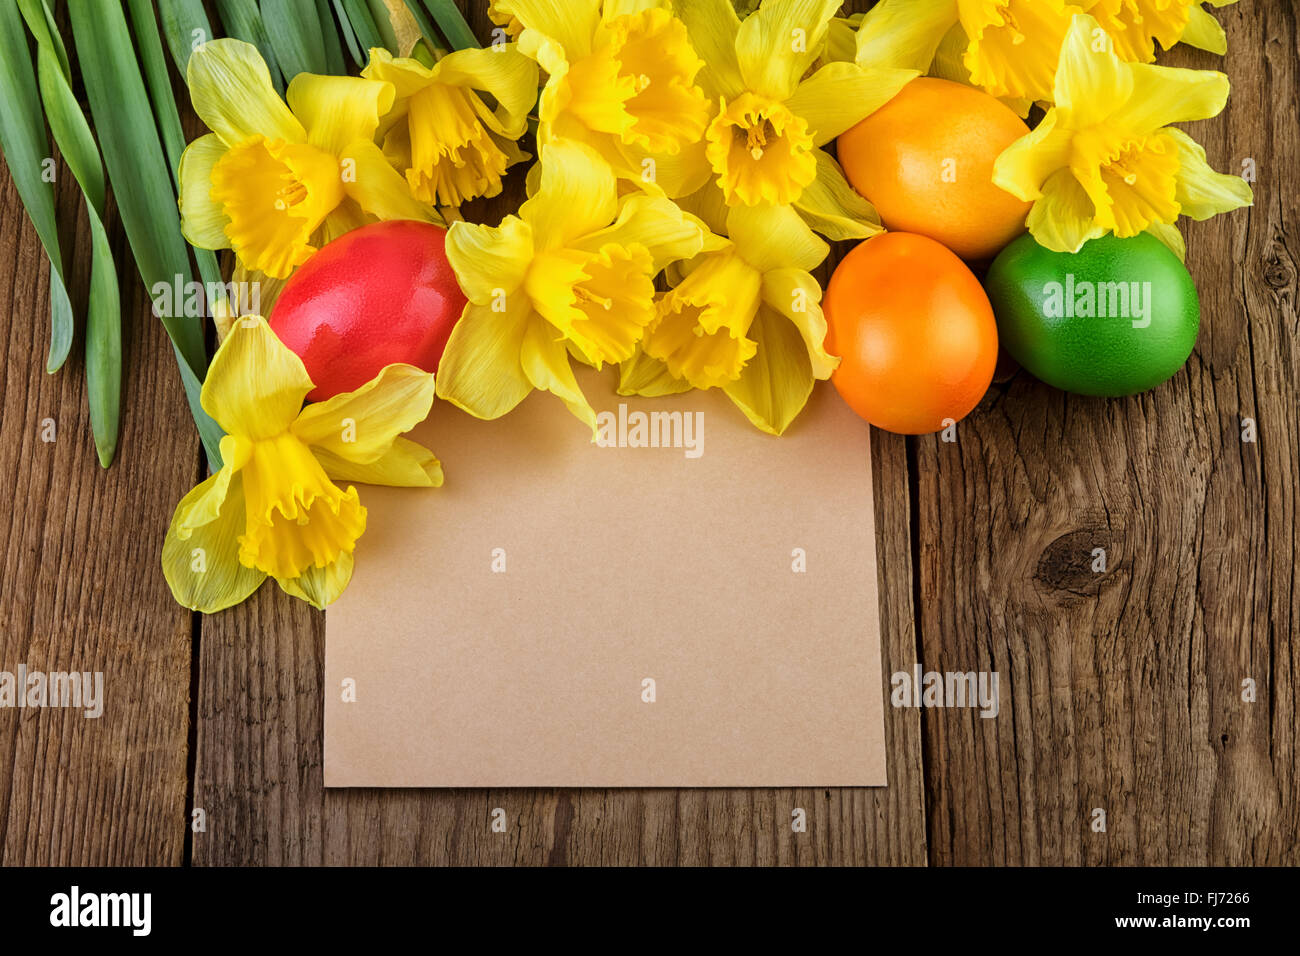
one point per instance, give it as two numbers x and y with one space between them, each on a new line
231 89
321 587
1164 95
345 217
1024 166
480 371
406 464
576 195
201 564
834 208
775 384
648 377
904 34
378 188
1168 234
797 295
572 23
673 175
774 237
361 425
490 261
1202 192
655 223
1064 218
203 222
196 510
545 362
777 43
1204 32
338 110
840 95
842 39
712 26
407 76
255 385
1090 83
505 73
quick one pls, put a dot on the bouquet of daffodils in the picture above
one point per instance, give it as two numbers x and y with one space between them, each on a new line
683 184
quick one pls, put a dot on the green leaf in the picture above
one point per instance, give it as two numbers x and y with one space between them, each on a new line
210 432
422 21
145 27
333 50
383 20
349 35
243 21
104 308
295 33
452 24
103 344
133 153
366 29
186 27
40 21
27 149
137 168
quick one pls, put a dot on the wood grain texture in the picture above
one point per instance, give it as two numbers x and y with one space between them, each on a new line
1123 690
81 587
1119 690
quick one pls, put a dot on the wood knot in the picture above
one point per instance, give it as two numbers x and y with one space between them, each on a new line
1077 561
1279 270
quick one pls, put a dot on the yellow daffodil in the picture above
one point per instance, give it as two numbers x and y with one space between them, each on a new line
507 21
620 78
273 182
274 509
1135 25
1009 48
571 275
450 144
762 146
1105 158
746 318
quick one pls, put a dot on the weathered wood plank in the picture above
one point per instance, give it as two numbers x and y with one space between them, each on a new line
1122 690
81 587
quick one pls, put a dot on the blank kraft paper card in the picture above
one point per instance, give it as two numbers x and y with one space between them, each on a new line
688 603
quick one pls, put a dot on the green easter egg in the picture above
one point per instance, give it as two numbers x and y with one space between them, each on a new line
1117 317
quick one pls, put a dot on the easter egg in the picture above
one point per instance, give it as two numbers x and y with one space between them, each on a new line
925 161
1117 317
378 295
915 333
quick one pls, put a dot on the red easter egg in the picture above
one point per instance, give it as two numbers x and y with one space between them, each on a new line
378 295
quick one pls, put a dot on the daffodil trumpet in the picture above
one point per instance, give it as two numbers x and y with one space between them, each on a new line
775 110
621 78
274 181
275 509
441 133
1105 158
746 318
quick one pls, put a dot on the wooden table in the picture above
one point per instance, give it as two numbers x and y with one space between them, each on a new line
1121 690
